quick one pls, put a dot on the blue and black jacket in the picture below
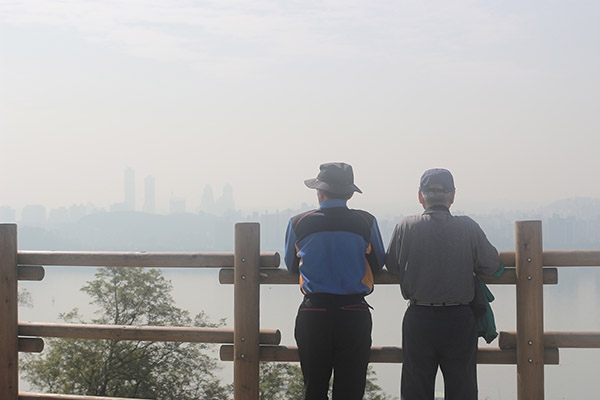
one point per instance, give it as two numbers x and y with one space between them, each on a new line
335 249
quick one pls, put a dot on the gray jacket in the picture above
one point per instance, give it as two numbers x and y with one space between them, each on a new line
436 254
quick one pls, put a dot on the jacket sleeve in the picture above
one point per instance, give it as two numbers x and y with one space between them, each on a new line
290 257
392 256
377 248
487 259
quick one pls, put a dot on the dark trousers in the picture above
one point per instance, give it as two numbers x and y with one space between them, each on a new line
333 334
444 337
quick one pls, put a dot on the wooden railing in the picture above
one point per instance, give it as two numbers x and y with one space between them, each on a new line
529 347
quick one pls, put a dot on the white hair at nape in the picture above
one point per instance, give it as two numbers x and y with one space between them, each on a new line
437 197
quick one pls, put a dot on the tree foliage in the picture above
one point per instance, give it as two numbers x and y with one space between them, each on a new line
24 298
280 381
133 369
283 381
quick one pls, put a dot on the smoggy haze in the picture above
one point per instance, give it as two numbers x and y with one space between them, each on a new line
257 94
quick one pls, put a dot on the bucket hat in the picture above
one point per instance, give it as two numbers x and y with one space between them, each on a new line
334 177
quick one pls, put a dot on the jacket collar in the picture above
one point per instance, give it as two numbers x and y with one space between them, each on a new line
437 208
333 203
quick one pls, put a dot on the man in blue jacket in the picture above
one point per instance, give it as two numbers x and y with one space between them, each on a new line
336 251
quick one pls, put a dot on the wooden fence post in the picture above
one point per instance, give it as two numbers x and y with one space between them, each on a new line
530 310
246 311
9 353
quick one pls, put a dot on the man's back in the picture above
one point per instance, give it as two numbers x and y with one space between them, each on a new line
335 250
332 244
436 255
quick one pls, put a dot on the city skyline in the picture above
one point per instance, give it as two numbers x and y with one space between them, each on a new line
40 213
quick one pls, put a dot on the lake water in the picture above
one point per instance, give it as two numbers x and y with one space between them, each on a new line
572 305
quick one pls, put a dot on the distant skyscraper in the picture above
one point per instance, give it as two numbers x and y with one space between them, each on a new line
225 202
129 201
149 195
207 203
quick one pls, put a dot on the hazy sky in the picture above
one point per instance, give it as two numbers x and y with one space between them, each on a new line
258 93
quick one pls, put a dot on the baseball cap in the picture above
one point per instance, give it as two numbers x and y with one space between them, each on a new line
437 180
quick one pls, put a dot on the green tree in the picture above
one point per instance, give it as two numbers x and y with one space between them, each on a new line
134 369
283 381
280 381
24 298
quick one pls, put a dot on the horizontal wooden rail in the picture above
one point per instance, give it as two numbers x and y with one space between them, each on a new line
31 345
507 258
30 273
40 396
573 340
549 276
145 333
283 276
138 259
391 354
560 258
571 258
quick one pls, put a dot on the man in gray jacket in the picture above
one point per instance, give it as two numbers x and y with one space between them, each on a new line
436 255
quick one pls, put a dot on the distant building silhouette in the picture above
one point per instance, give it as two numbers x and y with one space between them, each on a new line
33 215
176 205
225 202
207 203
129 187
76 212
58 215
149 195
118 207
8 214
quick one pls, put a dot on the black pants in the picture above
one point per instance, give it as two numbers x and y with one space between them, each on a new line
333 334
444 337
